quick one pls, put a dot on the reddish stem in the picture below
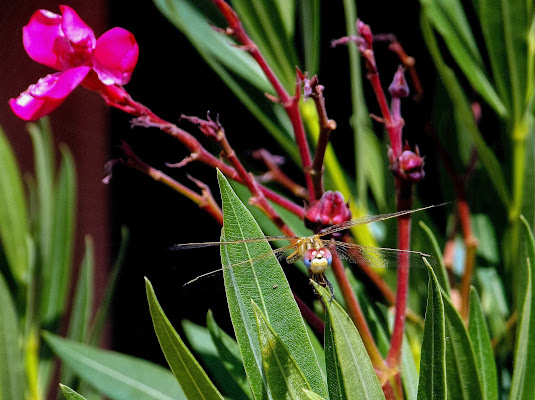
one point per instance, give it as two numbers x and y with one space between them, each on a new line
404 202
275 174
290 104
313 320
326 127
205 201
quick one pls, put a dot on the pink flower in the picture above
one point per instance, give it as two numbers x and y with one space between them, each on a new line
65 43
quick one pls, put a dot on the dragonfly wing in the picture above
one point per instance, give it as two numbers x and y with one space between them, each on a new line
370 219
380 257
279 253
187 246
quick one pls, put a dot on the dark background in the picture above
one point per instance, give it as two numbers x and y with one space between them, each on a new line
172 79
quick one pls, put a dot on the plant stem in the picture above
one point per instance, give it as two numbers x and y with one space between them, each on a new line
404 202
326 127
290 104
205 201
275 174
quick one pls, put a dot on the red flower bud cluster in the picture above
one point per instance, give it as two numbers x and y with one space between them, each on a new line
409 165
331 209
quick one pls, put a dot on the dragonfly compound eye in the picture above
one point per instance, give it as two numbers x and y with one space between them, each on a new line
317 260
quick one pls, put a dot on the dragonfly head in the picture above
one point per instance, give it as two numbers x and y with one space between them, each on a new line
317 260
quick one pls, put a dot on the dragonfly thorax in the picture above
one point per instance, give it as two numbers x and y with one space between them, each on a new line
316 257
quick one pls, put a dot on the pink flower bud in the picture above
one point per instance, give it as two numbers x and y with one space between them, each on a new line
331 209
409 165
399 86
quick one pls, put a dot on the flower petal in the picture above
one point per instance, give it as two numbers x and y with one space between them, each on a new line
59 85
76 31
30 108
115 56
42 36
47 94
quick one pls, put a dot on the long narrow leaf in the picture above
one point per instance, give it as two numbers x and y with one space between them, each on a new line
225 370
228 353
335 380
440 269
14 228
309 17
57 267
265 283
283 376
505 26
12 380
82 309
102 312
464 115
479 335
118 376
523 386
188 372
461 369
449 19
432 382
71 394
57 270
357 373
44 162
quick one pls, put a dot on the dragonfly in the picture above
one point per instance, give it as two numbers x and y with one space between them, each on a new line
315 250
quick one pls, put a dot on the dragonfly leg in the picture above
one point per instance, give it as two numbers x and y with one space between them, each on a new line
322 280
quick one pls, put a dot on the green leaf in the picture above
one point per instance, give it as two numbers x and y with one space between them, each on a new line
309 19
461 368
272 31
432 382
335 380
118 376
82 309
356 370
44 165
83 297
440 269
313 396
523 385
188 372
265 283
102 312
449 19
464 116
283 376
233 65
479 336
71 394
12 379
505 25
14 228
57 269
493 300
229 354
225 369
484 232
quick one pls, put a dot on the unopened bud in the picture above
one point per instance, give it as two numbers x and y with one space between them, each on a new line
399 87
409 165
331 209
365 32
